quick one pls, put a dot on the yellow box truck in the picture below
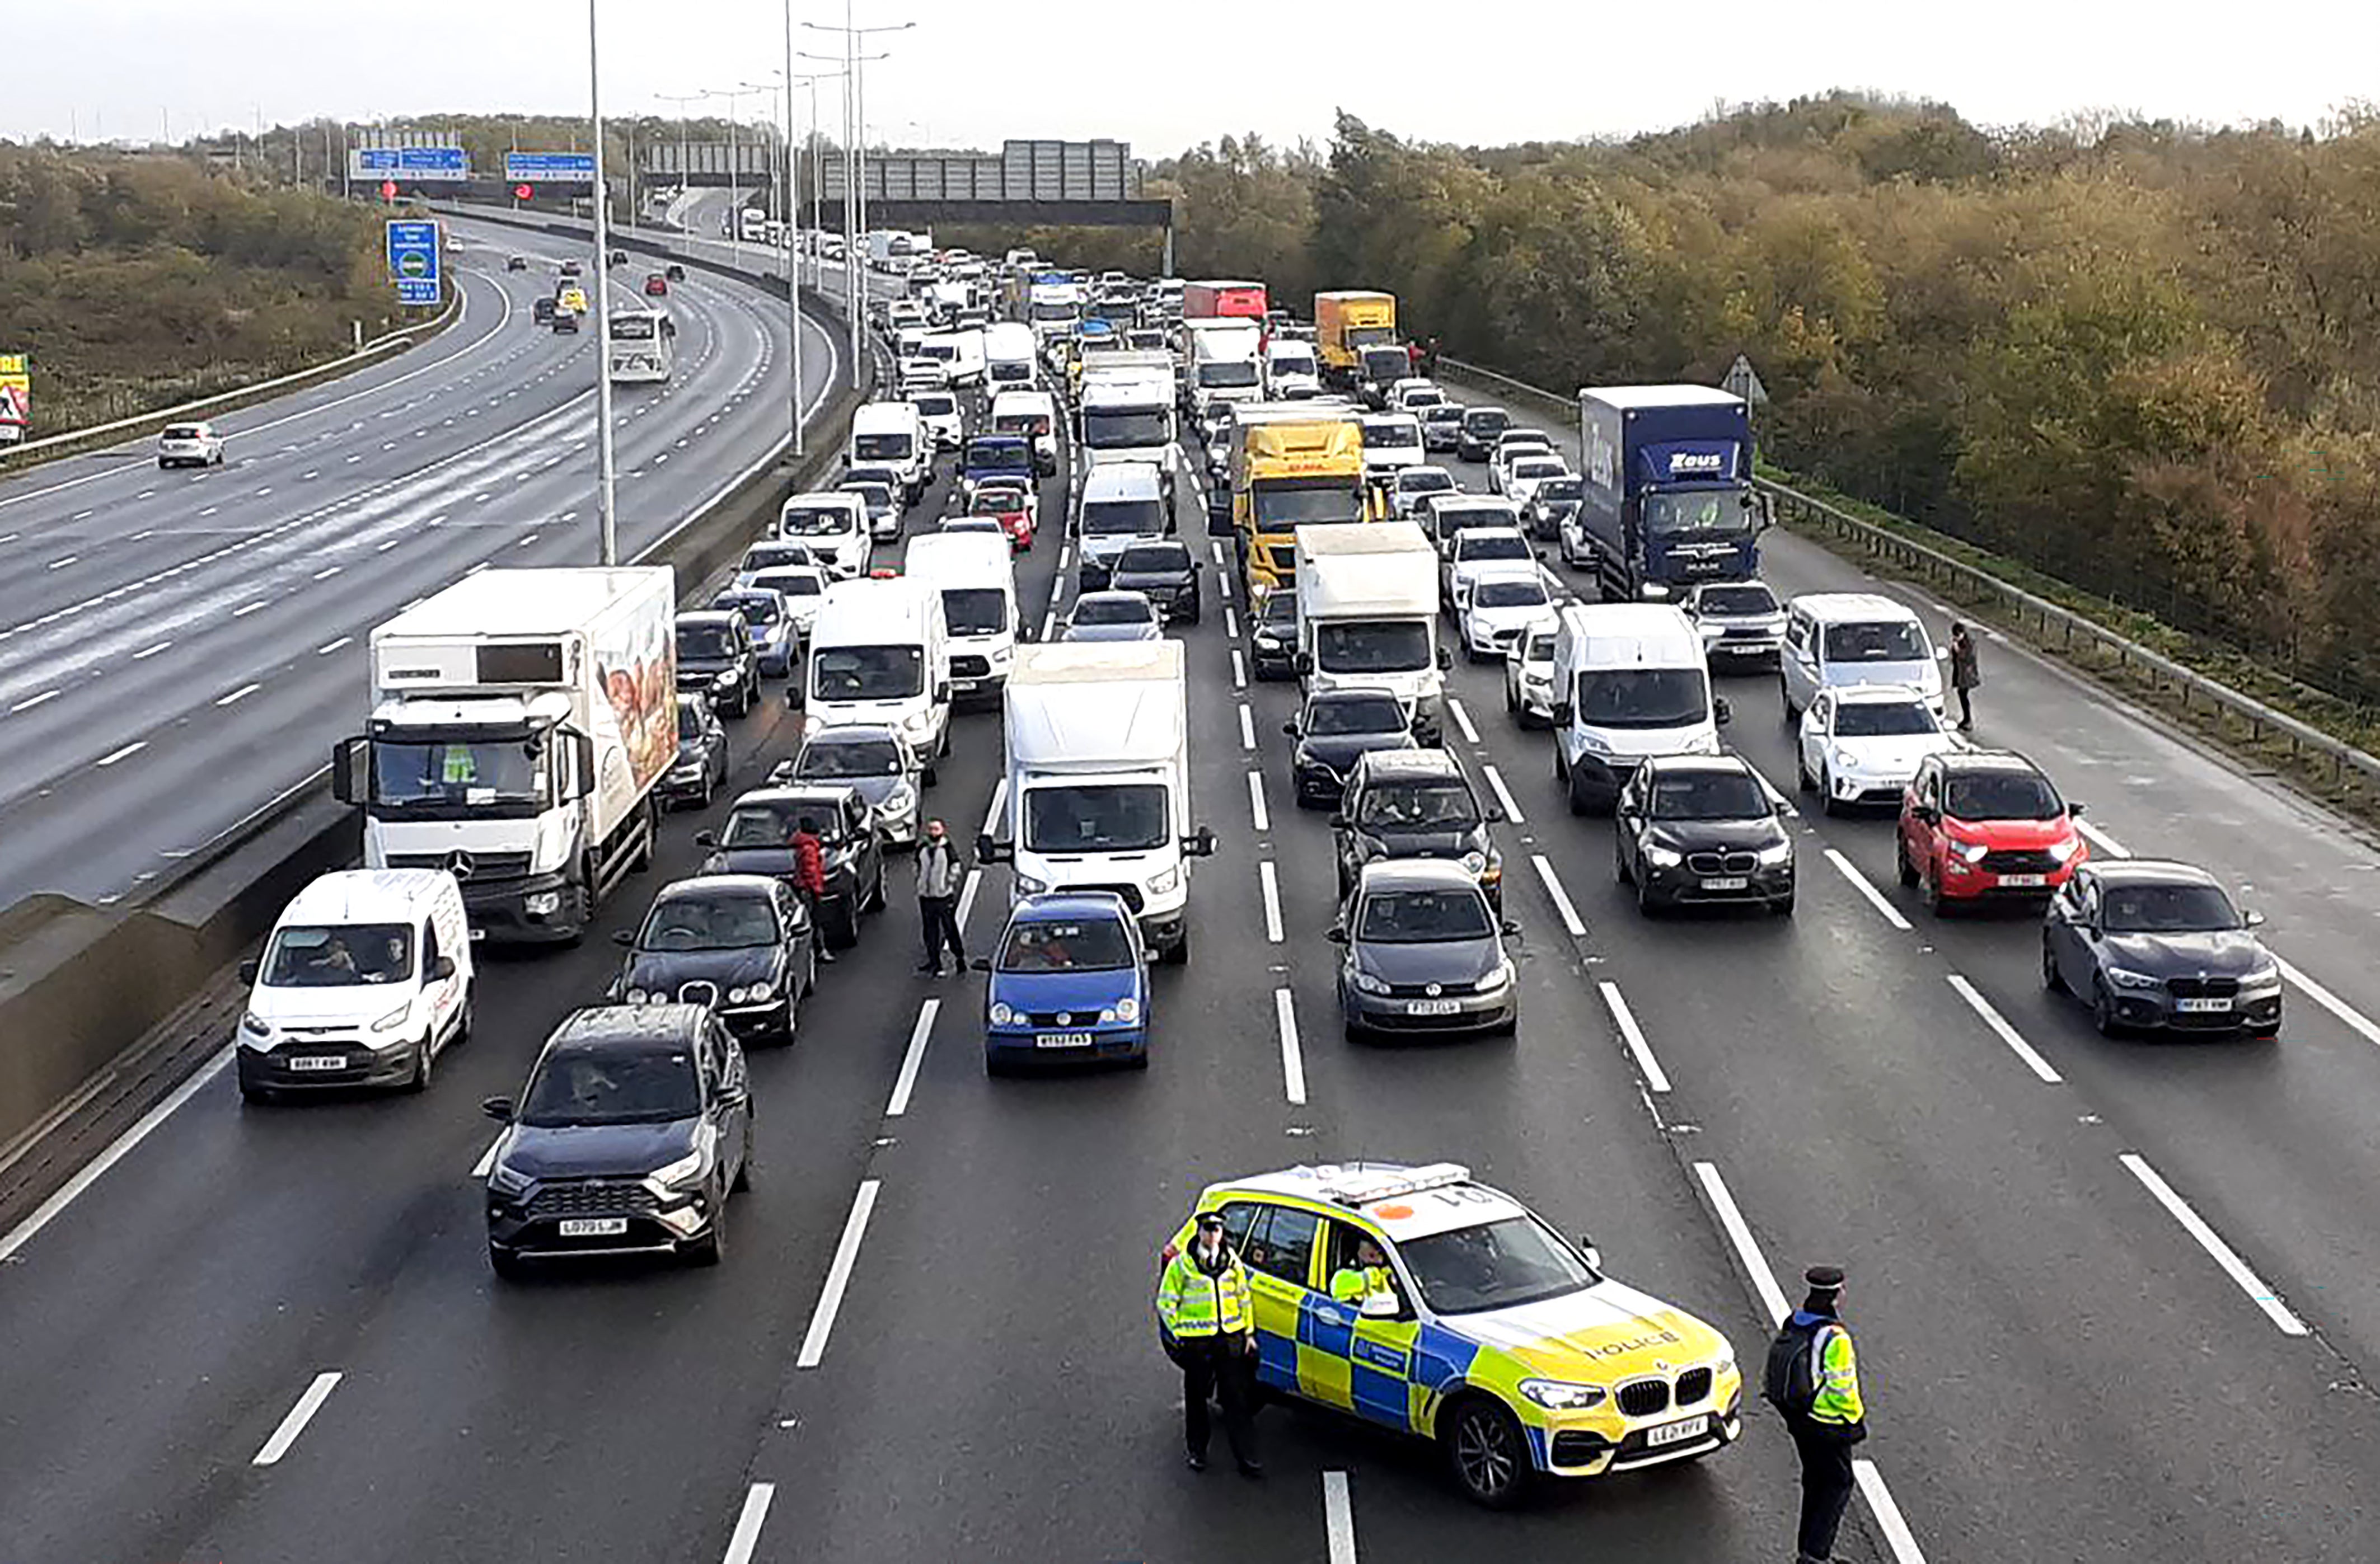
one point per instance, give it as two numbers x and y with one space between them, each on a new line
1347 322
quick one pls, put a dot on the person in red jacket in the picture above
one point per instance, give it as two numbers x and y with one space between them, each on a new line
809 878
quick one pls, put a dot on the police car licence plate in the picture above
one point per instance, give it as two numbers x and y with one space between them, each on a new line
1677 1433
2024 880
593 1226
1432 1007
1062 1040
2201 1007
318 1062
1727 882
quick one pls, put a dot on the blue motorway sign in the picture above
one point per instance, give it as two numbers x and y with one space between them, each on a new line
413 259
409 163
550 168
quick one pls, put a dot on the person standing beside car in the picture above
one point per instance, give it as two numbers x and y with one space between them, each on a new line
1204 1304
938 900
1964 675
809 878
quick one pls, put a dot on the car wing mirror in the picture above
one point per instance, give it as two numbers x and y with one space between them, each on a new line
706 838
2073 806
1201 843
498 1108
1589 1253
2252 918
1445 658
1338 935
1509 925
626 937
248 972
1290 728
441 969
981 963
1493 813
1722 711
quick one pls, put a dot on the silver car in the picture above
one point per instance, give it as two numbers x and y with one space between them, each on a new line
190 445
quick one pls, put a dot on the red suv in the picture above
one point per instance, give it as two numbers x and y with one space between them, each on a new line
656 285
1985 824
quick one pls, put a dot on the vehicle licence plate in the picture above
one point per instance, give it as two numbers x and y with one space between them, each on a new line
1432 1007
317 1061
1727 882
1677 1433
2024 880
597 1226
2201 1007
1062 1040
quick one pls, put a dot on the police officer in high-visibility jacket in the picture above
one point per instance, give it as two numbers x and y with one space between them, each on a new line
1366 1276
1203 1302
1814 1380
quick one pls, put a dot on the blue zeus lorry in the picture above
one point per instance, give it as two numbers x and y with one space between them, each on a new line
1667 500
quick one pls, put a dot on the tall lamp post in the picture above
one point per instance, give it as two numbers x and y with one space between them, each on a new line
605 481
854 199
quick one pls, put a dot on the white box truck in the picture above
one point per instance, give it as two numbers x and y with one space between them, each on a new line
1099 780
1368 615
1126 410
519 720
1222 360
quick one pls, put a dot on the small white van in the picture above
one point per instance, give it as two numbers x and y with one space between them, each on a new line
1838 638
976 575
892 434
366 979
1629 682
879 652
835 525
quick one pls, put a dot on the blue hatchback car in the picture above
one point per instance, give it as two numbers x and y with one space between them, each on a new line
1070 982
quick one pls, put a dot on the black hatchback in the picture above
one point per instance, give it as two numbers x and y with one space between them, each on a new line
714 656
1165 573
1415 803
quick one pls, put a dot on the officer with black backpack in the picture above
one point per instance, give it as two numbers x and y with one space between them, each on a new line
1812 1378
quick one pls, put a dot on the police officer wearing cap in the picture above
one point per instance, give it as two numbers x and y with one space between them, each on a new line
1204 1304
1814 1380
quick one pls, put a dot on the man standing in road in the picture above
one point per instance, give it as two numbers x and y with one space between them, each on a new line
1203 1302
809 878
1964 675
1812 1378
938 900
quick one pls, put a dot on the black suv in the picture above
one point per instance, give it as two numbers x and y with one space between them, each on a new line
714 655
740 943
635 1124
1415 803
1700 828
700 768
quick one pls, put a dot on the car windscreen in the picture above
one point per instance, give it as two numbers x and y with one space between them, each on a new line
1095 817
1706 795
1563 486
339 955
1400 646
772 824
934 405
1227 373
1541 648
804 584
817 521
689 720
765 556
1509 594
1884 719
1425 480
974 610
893 673
1392 436
1642 698
758 608
1162 559
1342 716
895 446
1499 1265
1889 641
1006 453
1113 607
1436 805
710 922
2166 909
877 495
185 431
836 759
1068 945
1748 598
1421 917
1125 427
1127 518
2002 795
1279 610
1492 546
611 1086
705 643
1486 422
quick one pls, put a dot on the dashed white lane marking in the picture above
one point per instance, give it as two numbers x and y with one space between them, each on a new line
1257 801
913 1060
966 896
1292 1063
1571 920
1461 716
1239 671
1048 623
745 1539
991 815
238 695
1338 1518
1633 1035
2002 1030
31 701
838 1276
244 609
327 648
1268 882
1739 1234
309 1403
129 750
145 653
1230 621
1876 898
1504 795
328 571
1216 549
62 563
1247 727
2224 1255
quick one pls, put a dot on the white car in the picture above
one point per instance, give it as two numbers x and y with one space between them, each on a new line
938 410
1391 441
1521 480
802 587
1509 448
190 445
1410 483
924 374
1502 602
1475 550
1412 394
1862 743
1742 621
1529 672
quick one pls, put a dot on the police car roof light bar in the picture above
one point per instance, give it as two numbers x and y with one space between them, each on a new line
1410 1180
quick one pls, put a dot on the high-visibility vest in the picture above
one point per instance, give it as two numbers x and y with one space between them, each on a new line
460 771
1837 1401
1193 1305
1352 1284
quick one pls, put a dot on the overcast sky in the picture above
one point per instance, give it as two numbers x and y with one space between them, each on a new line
975 71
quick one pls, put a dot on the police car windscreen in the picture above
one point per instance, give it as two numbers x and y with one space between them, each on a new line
1497 1264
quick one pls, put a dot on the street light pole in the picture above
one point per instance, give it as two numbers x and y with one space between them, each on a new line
792 219
603 467
855 192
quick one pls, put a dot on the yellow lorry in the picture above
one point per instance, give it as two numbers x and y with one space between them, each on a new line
1292 465
1347 322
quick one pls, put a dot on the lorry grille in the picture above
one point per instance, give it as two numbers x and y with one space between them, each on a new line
484 865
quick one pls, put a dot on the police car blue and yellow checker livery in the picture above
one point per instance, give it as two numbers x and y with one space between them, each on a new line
1498 1337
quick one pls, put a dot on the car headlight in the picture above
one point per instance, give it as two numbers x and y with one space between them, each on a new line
394 1019
255 1026
918 722
1560 1395
1163 883
1974 851
1127 1010
1663 858
507 1181
2069 848
1028 886
1593 744
901 800
1776 853
1495 980
1001 1015
1845 760
2268 977
2124 978
1368 983
687 1170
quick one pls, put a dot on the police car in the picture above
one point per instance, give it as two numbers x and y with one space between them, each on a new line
1500 1339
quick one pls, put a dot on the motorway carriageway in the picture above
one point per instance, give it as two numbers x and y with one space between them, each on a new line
178 648
2109 1295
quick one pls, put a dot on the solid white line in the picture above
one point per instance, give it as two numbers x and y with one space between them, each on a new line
2354 1018
1257 801
1764 1280
2248 1281
1230 621
966 896
328 648
1269 883
299 1415
2102 841
746 1538
1338 1518
838 1276
992 815
1897 1535
913 1060
1571 920
1860 883
1504 795
488 1158
1455 709
135 747
1247 727
1292 1063
118 1150
1633 1035
147 652
2006 1032
1239 671
31 701
239 695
